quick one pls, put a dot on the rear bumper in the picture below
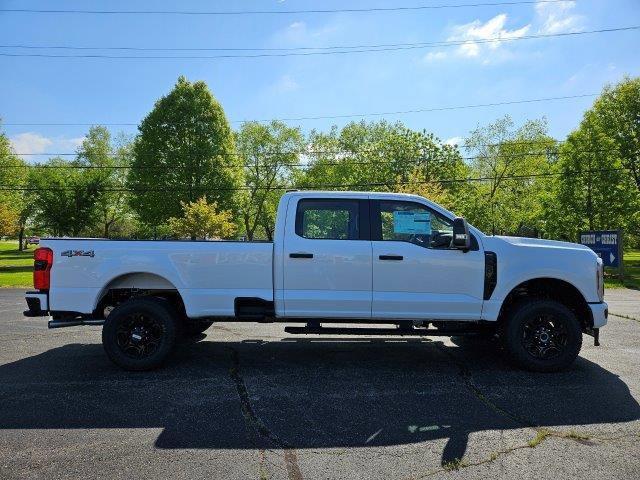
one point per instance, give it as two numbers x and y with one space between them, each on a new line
37 304
600 313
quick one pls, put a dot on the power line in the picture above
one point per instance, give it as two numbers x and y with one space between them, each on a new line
416 161
333 117
279 12
320 186
374 47
346 50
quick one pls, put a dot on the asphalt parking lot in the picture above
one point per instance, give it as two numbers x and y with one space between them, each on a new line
249 401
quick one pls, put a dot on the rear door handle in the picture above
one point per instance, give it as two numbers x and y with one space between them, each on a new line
391 257
300 255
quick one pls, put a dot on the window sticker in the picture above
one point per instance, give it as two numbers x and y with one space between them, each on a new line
413 222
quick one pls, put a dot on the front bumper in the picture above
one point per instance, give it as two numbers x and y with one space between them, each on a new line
600 313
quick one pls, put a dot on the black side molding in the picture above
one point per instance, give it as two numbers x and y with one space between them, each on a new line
301 255
391 257
490 274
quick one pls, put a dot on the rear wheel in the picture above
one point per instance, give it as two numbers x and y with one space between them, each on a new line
140 333
543 336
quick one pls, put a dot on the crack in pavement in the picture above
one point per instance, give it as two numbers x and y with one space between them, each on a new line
256 424
542 433
626 317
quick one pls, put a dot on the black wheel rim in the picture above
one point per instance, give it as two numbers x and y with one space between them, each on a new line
545 336
139 335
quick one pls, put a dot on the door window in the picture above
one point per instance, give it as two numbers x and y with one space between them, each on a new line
414 223
327 219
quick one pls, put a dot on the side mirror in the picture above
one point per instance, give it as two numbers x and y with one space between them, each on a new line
461 236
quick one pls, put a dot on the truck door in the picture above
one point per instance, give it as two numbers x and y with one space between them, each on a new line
327 258
416 273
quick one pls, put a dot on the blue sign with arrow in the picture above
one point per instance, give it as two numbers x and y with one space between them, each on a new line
606 243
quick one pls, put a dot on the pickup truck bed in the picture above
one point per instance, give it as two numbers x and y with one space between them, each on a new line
208 275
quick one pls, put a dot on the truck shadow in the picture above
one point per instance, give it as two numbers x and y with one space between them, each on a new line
308 394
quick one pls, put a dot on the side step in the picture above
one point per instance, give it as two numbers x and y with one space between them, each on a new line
73 323
398 332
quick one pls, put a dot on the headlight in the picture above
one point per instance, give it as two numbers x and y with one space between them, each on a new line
600 279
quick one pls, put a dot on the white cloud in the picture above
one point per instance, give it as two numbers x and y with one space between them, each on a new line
299 33
454 141
558 17
29 144
286 83
478 36
434 56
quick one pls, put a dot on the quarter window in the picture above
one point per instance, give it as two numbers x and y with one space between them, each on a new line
327 219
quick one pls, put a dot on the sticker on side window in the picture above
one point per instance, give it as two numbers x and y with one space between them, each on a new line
414 222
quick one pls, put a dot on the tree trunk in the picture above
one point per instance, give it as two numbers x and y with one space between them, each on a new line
21 238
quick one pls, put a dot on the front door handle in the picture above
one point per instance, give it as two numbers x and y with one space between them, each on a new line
391 257
300 255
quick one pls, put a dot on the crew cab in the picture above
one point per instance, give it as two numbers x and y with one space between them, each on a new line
396 262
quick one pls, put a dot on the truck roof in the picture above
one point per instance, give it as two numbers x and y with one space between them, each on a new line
353 194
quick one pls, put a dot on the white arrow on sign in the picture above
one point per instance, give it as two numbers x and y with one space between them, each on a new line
611 257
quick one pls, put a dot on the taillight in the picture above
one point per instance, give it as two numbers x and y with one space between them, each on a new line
42 261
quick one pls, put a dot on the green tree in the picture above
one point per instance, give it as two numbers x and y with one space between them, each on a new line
270 153
380 156
201 219
184 150
8 220
593 189
65 196
617 113
14 198
511 163
107 166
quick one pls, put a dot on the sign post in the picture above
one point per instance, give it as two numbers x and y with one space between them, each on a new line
608 245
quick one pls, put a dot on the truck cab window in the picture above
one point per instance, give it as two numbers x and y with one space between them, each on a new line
414 223
327 219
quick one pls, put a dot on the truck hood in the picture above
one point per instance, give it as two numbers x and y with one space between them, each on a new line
541 243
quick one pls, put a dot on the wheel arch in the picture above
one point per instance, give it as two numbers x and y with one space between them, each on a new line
550 288
133 283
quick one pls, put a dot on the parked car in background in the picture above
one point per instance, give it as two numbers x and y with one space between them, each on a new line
33 240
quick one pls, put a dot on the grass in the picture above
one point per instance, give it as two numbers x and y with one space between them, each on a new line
631 272
16 267
541 435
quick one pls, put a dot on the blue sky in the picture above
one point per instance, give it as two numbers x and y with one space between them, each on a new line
67 90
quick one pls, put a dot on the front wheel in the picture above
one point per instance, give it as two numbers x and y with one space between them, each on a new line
140 333
543 336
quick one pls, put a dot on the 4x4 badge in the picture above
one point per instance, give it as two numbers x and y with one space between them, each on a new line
78 253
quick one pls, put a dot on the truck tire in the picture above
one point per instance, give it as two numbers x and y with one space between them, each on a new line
140 333
542 336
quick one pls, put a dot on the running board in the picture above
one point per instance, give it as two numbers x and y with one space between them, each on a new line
73 323
398 332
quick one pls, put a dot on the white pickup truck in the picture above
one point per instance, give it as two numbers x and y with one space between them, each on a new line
399 263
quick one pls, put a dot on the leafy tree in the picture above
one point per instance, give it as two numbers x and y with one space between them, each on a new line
510 165
64 196
184 150
379 156
14 202
202 220
593 189
107 167
270 153
8 220
617 113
